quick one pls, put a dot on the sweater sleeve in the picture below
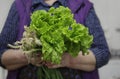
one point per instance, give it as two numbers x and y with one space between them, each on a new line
9 31
99 46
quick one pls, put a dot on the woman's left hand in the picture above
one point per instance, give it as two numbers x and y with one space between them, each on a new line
64 62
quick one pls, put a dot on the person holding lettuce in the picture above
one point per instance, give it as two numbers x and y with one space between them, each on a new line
80 67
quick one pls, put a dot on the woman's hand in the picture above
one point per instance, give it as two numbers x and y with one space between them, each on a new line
64 62
13 59
81 62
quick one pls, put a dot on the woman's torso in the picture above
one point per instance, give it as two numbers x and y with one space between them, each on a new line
29 72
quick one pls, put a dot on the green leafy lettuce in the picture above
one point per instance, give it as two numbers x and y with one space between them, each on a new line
59 32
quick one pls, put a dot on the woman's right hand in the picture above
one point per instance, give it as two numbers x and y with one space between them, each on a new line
13 59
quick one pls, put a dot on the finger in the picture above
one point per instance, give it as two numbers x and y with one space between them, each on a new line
39 64
49 64
55 66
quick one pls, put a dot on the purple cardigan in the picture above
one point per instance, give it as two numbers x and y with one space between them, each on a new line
79 8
